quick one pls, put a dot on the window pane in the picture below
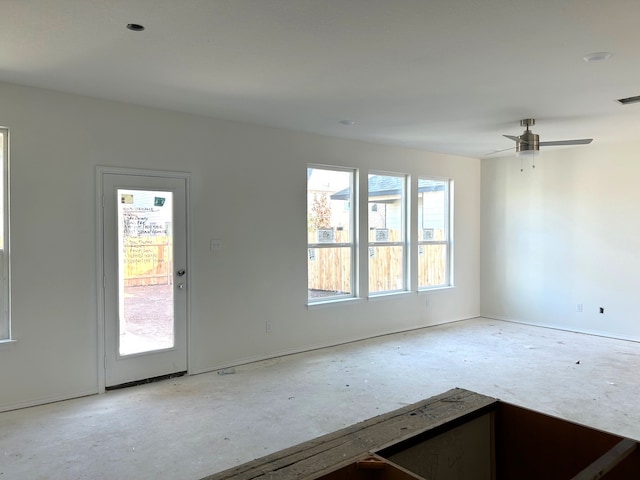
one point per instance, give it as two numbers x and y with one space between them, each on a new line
2 186
329 205
329 272
432 205
145 259
386 221
432 265
386 208
433 233
330 221
4 320
386 268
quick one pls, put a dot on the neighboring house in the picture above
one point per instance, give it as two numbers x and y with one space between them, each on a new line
385 210
322 183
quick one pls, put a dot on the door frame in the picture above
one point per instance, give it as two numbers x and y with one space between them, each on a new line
100 271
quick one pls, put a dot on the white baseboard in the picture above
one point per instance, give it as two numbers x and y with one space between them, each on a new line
552 326
44 400
318 346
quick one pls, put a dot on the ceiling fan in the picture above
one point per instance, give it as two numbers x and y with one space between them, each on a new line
529 142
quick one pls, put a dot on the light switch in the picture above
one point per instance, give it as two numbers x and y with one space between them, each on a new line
215 244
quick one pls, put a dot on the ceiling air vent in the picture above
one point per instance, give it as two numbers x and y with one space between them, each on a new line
628 100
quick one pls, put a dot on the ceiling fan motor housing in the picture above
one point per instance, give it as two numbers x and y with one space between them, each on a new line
528 142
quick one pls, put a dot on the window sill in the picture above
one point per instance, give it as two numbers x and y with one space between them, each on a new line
337 301
382 296
7 343
436 289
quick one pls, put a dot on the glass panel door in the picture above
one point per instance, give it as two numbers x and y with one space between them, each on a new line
144 231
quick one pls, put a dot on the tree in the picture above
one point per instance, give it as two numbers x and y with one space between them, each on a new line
320 217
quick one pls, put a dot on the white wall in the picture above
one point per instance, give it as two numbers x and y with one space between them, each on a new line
564 234
57 140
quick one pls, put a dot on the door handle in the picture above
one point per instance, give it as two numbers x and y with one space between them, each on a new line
181 272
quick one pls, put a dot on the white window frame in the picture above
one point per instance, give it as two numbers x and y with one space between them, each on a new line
448 232
404 228
5 296
353 233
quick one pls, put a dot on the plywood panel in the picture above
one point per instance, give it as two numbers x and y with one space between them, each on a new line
464 451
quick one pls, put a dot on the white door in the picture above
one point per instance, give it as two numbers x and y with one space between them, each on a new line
145 276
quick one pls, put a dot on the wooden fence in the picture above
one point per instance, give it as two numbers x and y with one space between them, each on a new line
147 261
329 268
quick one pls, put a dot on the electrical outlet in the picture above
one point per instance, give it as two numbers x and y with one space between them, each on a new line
267 326
579 308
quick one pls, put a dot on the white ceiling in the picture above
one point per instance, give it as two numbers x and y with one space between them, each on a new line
442 75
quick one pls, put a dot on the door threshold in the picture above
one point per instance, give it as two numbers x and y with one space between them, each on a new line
146 380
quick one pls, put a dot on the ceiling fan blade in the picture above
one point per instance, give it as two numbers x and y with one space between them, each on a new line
498 151
580 141
517 139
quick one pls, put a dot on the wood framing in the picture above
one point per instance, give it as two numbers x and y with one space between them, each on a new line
458 434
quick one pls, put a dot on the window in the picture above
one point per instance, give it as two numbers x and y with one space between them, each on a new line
434 233
330 234
332 216
387 237
5 327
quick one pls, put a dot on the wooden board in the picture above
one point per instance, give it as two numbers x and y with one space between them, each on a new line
463 451
346 446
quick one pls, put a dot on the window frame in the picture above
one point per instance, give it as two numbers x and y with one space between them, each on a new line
405 229
448 233
353 235
5 269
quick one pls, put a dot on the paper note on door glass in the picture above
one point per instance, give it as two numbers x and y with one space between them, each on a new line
126 198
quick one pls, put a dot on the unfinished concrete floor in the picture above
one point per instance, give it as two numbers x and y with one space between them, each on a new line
189 427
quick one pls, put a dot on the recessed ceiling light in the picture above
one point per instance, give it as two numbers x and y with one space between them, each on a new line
135 27
347 123
597 57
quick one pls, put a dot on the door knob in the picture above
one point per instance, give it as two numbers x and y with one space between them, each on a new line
181 272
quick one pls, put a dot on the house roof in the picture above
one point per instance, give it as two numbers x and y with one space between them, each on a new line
384 185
